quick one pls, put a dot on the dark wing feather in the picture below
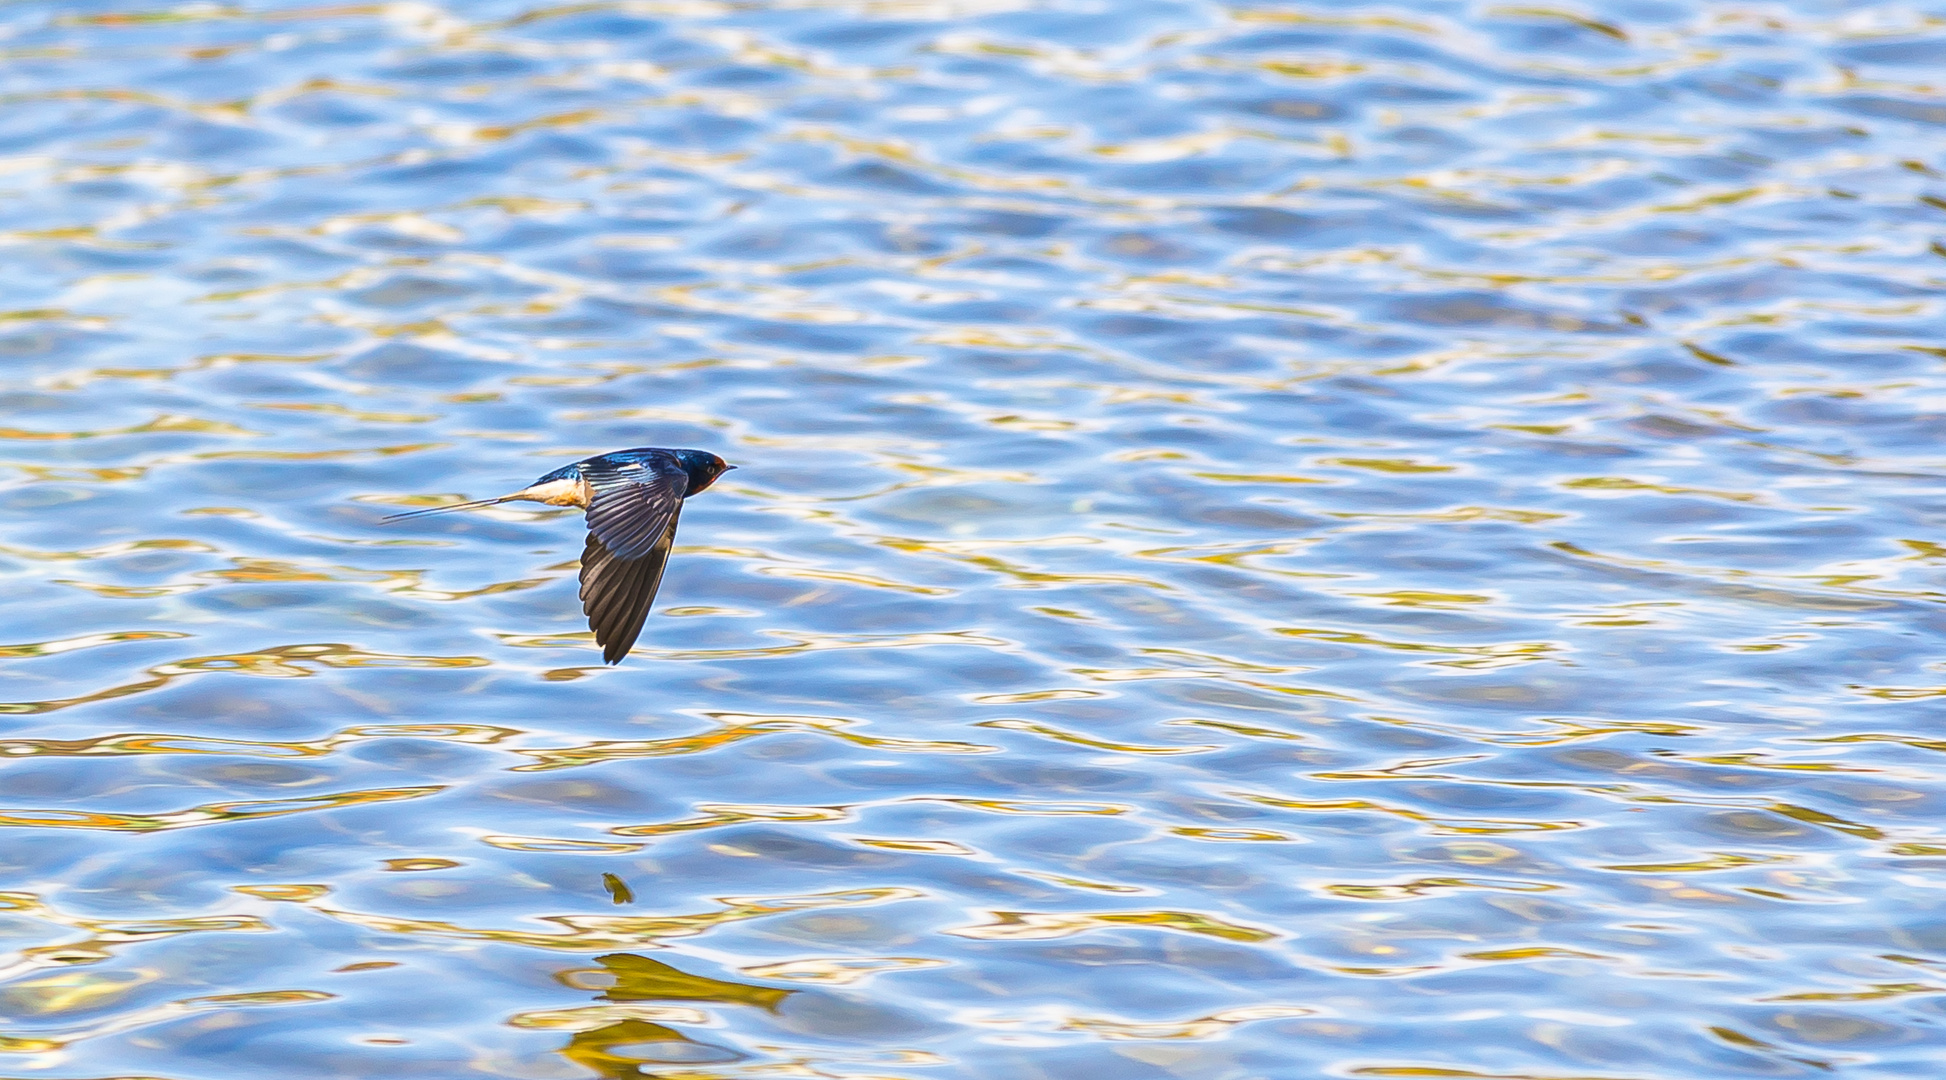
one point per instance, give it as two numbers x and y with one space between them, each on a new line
632 502
616 592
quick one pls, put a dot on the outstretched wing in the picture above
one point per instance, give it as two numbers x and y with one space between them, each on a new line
631 527
616 593
631 503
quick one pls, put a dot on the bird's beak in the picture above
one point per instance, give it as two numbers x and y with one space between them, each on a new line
727 468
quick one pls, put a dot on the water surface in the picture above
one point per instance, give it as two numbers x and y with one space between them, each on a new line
1273 541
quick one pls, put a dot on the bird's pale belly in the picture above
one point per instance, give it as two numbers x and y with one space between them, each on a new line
558 493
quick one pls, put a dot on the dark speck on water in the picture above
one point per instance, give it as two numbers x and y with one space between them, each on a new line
1274 540
618 889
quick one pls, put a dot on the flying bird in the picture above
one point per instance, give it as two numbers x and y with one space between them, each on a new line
633 498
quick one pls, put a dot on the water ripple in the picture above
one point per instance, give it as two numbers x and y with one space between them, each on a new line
1271 540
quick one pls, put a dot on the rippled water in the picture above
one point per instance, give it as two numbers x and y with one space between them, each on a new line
1272 541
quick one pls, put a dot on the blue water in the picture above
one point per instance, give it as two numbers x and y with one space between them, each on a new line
1272 542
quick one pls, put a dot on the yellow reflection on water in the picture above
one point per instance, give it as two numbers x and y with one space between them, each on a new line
1058 735
1037 926
103 936
116 745
283 662
1203 1027
1413 890
717 815
206 814
156 1014
592 933
736 728
1436 825
838 970
86 641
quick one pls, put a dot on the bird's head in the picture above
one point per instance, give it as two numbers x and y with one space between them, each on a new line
703 468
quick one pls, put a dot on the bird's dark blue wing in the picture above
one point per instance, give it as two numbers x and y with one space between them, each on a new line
616 593
632 513
632 502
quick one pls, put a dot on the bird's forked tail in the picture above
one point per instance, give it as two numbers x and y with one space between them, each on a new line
474 505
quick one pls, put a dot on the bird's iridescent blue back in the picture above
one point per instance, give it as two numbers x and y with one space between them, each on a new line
701 466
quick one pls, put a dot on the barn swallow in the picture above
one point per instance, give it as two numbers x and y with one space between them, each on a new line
633 498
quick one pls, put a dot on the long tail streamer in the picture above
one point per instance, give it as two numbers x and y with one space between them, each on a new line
474 505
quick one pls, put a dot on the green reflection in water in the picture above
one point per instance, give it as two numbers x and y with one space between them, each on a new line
621 1039
628 977
622 1049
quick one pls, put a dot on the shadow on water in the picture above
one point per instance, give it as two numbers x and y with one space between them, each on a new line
631 1046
